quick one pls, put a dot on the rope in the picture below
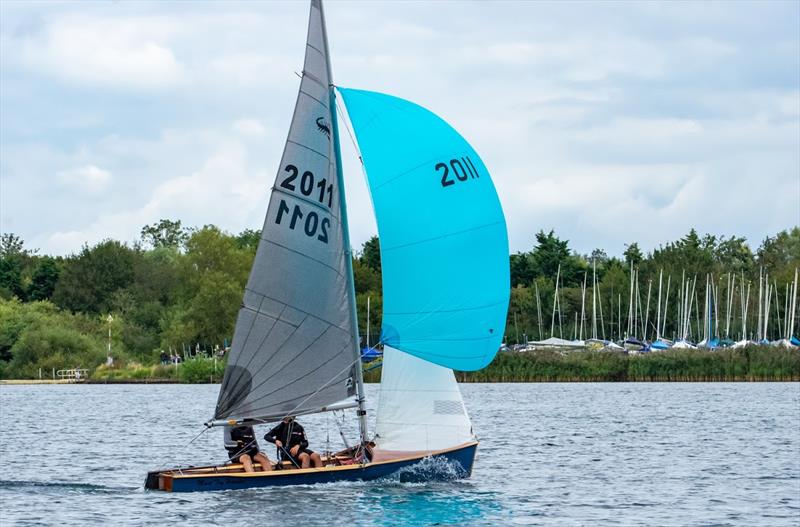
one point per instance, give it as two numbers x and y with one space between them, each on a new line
349 132
291 412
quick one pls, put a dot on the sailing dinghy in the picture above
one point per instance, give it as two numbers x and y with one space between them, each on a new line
444 255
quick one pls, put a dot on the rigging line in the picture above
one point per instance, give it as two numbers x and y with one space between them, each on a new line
168 456
195 437
349 132
315 392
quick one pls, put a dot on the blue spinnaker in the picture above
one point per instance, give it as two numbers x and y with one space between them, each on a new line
444 245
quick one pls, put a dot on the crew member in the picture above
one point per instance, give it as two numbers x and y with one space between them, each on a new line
240 442
290 438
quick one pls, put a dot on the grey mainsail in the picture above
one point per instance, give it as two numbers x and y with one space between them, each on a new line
292 349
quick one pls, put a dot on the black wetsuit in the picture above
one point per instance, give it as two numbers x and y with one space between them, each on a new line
290 435
245 443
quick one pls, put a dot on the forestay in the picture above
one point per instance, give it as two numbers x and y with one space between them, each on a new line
444 247
293 344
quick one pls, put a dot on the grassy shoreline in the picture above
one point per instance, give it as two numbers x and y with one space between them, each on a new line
750 364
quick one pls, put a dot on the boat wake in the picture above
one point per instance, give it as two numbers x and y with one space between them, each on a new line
61 486
429 469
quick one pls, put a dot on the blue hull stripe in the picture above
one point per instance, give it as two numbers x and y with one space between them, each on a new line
453 464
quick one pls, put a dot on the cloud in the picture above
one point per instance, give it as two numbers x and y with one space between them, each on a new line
249 127
89 178
132 53
225 190
613 123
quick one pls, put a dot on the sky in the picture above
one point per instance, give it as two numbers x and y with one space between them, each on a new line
607 122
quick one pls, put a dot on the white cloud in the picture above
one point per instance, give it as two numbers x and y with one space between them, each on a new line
249 127
89 178
132 53
608 124
225 190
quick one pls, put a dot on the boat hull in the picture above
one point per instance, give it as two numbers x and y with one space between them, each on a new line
455 463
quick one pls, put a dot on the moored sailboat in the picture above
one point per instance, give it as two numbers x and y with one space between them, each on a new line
444 260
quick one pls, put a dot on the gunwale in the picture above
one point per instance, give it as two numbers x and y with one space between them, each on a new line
295 471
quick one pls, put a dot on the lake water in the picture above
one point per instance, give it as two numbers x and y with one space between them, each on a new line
550 454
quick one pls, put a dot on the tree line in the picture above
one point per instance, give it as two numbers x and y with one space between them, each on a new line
691 258
179 289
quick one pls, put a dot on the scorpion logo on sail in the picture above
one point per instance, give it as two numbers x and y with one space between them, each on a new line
323 127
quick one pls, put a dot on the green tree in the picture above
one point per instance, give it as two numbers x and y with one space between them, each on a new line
633 255
52 346
371 254
89 279
44 279
165 233
11 245
521 270
248 239
366 278
213 273
550 253
11 278
13 259
780 254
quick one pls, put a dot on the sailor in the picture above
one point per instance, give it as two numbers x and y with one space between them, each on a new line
240 442
290 438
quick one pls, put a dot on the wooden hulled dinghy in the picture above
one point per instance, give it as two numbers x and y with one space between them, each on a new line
445 274
453 463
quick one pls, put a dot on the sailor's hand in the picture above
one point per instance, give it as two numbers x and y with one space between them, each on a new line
294 450
278 443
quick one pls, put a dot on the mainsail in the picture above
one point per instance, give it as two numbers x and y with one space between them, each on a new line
444 246
293 345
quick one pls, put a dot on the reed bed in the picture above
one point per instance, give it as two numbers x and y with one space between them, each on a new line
752 363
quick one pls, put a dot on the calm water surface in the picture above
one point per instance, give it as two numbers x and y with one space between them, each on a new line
550 454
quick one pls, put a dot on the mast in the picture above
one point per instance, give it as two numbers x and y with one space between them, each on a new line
745 305
538 309
658 308
348 250
760 301
786 311
583 304
767 292
706 338
600 304
555 298
794 306
594 299
647 310
630 305
666 306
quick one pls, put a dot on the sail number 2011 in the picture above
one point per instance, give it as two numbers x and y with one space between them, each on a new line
309 221
462 169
